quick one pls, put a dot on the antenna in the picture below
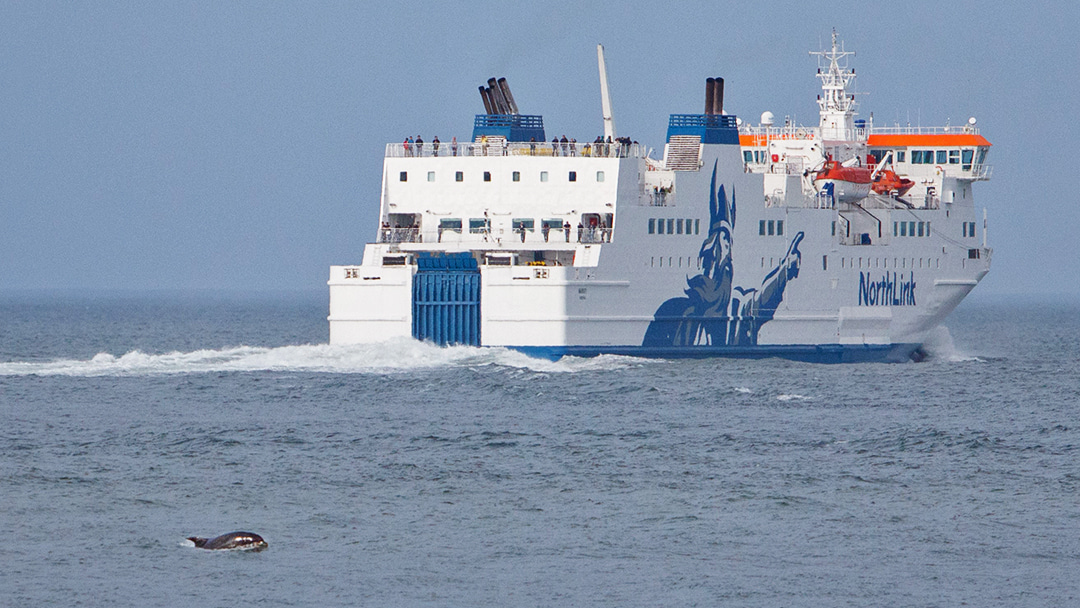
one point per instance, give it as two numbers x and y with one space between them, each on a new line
605 96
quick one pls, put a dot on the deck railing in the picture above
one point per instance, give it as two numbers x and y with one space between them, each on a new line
499 148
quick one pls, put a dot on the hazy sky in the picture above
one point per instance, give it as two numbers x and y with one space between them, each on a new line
238 145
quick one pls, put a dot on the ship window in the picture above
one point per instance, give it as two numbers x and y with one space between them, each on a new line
920 228
688 221
660 226
459 177
761 228
982 156
573 176
901 156
954 157
903 228
543 176
678 226
895 230
450 223
911 228
599 176
478 225
780 227
967 156
652 225
671 226
516 176
528 221
430 176
772 227
834 228
927 228
404 176
747 156
697 224
824 262
942 156
487 176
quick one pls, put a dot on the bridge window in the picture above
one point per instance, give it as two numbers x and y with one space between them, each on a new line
404 176
942 156
954 157
747 156
450 223
516 176
967 156
901 156
479 225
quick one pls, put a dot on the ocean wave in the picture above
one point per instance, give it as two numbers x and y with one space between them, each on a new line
387 357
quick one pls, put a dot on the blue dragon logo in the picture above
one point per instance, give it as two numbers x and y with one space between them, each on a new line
715 313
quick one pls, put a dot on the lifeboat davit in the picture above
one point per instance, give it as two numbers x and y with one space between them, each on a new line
888 181
848 184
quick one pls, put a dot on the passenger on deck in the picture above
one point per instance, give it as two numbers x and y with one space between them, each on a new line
435 146
419 146
453 145
566 229
408 146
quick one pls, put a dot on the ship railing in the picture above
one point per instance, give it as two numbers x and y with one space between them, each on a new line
400 235
595 235
500 148
910 130
981 172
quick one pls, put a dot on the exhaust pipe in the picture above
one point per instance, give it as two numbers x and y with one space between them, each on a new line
710 93
487 100
505 90
718 96
497 98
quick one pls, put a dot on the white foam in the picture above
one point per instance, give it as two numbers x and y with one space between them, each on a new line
743 390
387 357
939 345
793 397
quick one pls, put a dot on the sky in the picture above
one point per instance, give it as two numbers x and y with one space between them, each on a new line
238 145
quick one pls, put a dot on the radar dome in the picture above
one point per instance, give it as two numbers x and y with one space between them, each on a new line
971 121
767 119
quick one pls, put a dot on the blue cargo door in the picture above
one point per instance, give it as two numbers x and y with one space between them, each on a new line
446 299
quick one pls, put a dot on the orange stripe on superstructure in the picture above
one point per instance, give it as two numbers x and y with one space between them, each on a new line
936 140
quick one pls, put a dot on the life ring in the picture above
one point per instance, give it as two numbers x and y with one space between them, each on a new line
800 134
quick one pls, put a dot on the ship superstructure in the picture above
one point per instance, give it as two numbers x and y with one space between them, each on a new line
839 242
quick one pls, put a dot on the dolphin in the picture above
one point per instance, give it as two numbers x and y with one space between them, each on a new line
244 541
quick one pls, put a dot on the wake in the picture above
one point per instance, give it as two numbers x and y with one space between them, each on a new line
396 356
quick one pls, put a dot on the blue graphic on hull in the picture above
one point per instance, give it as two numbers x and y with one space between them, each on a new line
715 313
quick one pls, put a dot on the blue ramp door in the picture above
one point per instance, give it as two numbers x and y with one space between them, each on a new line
446 299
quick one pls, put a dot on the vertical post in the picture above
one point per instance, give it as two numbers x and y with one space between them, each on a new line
605 96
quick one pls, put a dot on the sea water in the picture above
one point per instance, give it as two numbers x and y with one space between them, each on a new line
408 475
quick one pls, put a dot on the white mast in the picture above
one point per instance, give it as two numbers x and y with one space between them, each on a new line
837 106
605 96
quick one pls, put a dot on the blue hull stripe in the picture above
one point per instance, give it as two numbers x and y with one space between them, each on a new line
810 353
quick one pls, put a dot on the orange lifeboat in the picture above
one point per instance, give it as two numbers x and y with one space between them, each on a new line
888 181
848 184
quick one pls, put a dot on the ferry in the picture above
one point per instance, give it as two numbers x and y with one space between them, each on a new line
840 242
